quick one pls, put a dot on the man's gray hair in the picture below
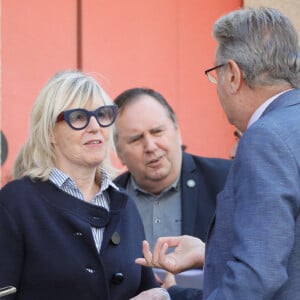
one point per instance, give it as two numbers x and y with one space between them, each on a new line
263 42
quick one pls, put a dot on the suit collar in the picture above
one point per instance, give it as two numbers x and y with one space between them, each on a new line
260 110
289 98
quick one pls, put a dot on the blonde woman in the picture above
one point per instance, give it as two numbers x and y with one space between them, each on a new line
66 231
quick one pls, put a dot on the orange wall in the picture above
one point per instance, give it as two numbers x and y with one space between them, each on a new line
38 38
163 44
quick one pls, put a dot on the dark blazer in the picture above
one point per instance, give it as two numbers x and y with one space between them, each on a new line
253 247
48 252
201 180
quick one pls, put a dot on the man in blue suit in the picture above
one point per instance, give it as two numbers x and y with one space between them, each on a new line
253 246
175 192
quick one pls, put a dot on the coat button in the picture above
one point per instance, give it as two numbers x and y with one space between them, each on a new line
115 238
92 271
117 278
78 234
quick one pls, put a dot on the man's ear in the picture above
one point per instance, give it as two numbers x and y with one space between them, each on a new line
234 76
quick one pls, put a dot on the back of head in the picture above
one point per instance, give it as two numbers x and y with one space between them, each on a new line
64 89
263 42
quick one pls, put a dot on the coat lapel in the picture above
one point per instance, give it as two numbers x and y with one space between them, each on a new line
189 194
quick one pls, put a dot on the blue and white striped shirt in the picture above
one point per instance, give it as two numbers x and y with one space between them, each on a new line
66 184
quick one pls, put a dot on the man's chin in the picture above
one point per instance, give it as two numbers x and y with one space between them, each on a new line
158 176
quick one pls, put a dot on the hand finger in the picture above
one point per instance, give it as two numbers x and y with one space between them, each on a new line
141 261
158 279
172 241
152 294
147 253
159 258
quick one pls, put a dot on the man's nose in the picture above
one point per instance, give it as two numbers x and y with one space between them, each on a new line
150 143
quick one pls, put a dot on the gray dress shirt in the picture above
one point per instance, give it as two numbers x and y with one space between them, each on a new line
161 214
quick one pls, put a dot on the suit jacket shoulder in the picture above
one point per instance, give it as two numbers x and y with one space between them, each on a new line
122 179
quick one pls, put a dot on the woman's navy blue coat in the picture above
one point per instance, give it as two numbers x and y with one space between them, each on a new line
48 252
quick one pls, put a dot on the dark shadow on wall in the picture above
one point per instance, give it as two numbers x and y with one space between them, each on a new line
4 148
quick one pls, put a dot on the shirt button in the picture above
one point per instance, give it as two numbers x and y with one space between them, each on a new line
157 221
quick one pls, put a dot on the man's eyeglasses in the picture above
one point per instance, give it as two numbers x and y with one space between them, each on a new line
211 73
79 118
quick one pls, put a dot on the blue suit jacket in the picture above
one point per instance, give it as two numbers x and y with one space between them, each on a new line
201 180
253 248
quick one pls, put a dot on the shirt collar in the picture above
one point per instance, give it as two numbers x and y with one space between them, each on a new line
106 181
61 179
260 110
174 185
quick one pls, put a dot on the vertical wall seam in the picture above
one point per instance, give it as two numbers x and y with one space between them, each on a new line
79 34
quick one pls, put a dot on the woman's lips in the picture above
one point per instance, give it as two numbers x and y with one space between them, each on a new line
93 142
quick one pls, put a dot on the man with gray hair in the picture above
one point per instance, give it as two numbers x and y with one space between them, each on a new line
253 246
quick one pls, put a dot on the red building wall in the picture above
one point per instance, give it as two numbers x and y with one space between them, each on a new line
162 44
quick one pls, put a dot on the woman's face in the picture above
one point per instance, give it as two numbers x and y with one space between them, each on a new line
80 149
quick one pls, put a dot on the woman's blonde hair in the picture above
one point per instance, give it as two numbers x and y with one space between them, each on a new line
64 89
